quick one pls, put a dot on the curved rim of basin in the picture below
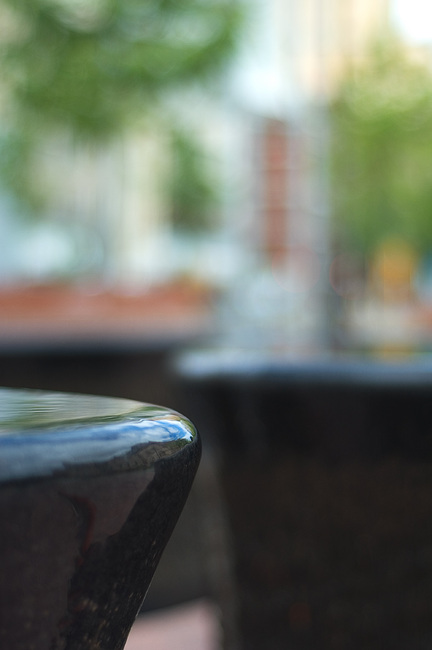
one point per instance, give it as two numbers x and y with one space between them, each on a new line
50 434
258 367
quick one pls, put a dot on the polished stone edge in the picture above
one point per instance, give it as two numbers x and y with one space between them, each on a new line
135 439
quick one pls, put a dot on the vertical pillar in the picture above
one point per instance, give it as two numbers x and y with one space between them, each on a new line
274 190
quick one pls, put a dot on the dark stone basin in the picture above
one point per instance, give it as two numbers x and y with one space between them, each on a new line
325 474
90 491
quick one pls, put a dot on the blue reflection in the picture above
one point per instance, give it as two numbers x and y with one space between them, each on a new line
30 447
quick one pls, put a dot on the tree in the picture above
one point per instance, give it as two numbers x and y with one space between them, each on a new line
93 66
381 153
90 63
193 192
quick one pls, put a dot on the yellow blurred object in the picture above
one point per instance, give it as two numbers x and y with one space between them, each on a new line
393 269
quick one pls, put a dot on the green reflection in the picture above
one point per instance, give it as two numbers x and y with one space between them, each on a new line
27 410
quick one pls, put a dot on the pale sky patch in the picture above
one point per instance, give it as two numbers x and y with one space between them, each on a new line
413 18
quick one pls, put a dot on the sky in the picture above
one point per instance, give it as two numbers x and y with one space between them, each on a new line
414 19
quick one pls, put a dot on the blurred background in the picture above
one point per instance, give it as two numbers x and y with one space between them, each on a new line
254 173
257 170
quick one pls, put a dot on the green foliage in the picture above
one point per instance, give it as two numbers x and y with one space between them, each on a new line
16 170
90 64
95 67
192 189
381 154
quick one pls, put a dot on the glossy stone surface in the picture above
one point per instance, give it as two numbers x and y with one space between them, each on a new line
90 491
